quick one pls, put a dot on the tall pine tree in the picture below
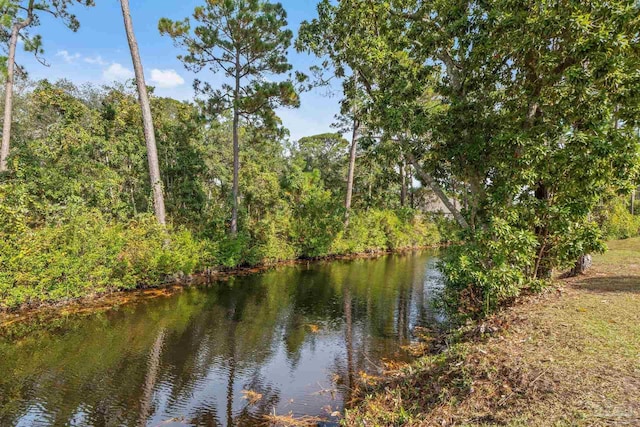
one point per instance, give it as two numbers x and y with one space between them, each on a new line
247 40
147 120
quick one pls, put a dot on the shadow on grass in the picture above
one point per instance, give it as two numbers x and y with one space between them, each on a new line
622 284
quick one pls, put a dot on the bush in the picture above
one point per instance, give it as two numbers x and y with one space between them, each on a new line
448 228
364 234
616 221
151 252
316 216
271 237
70 250
488 270
377 230
232 251
86 254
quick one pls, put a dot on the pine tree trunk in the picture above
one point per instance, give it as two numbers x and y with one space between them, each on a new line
149 134
412 194
236 152
352 169
8 99
236 175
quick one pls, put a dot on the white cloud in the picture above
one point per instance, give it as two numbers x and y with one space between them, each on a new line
68 57
97 60
117 72
166 78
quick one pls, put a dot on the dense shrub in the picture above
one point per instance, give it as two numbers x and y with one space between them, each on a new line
448 228
489 269
498 262
377 230
616 220
266 243
83 253
80 251
281 237
271 239
363 234
86 254
316 216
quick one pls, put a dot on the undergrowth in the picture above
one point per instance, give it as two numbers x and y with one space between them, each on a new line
83 252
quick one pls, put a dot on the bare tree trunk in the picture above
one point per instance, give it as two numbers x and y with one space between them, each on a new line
147 120
403 183
236 153
412 194
582 265
8 94
236 175
352 169
431 183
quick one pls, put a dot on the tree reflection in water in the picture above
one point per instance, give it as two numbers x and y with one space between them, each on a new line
284 335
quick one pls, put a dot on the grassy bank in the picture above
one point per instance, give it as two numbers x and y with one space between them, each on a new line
568 357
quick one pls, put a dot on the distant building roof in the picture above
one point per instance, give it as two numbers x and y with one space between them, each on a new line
429 202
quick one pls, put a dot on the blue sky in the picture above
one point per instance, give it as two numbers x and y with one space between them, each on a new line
98 53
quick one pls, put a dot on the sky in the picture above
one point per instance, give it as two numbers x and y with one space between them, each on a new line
98 53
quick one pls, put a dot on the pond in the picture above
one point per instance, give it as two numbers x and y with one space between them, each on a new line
287 341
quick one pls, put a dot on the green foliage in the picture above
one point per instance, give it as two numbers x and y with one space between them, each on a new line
488 269
25 15
318 217
449 229
271 245
246 40
526 111
326 153
86 254
616 220
380 230
494 265
578 239
232 251
74 210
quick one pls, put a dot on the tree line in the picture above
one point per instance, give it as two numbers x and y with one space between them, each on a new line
520 117
226 186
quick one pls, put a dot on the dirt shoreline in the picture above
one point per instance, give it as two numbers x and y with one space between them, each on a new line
45 311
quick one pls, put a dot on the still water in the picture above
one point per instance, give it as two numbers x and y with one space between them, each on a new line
287 341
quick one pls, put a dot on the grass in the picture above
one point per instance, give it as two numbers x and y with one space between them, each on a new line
568 357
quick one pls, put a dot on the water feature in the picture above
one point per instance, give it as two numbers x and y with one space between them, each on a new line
287 341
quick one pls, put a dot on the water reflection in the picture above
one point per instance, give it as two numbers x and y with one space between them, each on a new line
290 340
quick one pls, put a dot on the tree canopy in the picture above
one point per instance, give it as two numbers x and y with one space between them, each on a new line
519 119
527 111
